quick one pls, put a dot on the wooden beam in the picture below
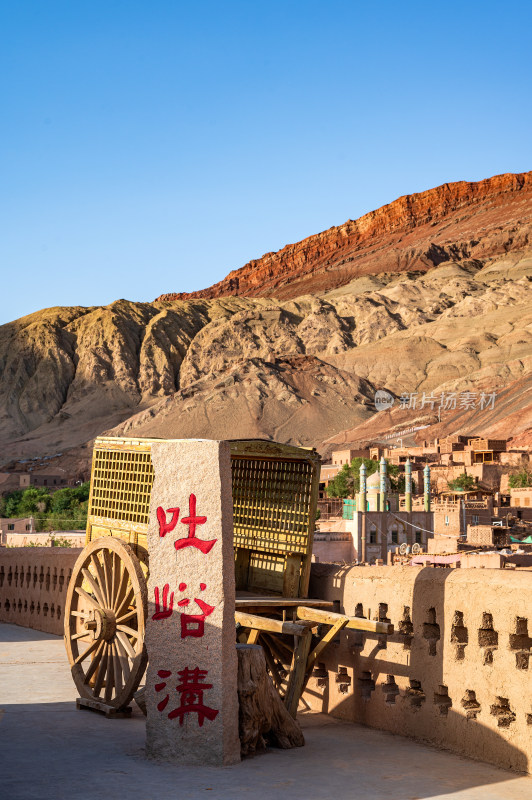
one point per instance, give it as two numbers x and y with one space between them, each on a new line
269 624
253 636
324 641
280 602
298 673
354 623
292 569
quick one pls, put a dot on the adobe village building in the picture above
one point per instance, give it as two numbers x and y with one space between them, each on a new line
455 670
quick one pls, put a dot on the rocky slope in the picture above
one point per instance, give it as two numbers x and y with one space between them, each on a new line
301 370
414 233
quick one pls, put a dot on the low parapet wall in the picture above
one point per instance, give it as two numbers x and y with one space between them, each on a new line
33 585
455 672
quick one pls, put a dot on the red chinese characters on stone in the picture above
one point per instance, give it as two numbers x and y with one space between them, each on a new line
193 520
162 673
164 610
194 624
191 691
164 526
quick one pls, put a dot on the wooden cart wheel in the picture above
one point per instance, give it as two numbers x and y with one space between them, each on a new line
279 652
105 615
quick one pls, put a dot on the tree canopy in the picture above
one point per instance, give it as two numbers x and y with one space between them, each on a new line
463 483
347 481
62 510
520 480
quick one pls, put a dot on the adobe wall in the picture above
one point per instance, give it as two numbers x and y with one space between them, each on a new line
456 671
33 586
333 546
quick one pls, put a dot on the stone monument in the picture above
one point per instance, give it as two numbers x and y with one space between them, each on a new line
191 684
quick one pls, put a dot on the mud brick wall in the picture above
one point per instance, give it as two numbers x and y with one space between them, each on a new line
33 586
457 670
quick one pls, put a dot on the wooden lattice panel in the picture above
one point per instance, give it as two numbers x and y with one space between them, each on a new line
271 500
121 485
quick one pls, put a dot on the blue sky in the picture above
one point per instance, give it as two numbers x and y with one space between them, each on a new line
153 147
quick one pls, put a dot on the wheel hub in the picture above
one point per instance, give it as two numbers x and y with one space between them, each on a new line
102 623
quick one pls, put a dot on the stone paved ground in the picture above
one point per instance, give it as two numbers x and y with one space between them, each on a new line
51 751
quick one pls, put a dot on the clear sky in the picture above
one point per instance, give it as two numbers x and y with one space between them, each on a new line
153 147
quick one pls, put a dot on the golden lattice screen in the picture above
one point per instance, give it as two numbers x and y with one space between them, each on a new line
121 485
271 501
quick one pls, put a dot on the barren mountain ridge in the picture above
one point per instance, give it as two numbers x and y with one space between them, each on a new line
431 293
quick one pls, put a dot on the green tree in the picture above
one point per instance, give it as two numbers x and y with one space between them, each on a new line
347 481
63 500
463 483
341 485
12 503
398 482
81 492
34 500
520 480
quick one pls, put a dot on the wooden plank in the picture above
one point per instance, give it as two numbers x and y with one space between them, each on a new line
297 673
324 641
263 448
242 567
87 704
265 601
268 624
292 570
354 623
253 637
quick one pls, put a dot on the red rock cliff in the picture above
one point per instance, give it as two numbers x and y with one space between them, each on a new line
414 233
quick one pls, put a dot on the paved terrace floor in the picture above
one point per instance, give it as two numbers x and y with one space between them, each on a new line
51 751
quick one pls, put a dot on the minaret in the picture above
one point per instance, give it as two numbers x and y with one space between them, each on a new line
426 488
383 487
362 505
362 495
408 485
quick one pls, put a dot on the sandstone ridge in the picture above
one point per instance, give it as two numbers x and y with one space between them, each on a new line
301 369
416 232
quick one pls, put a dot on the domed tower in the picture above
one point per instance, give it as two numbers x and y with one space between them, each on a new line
426 488
362 495
383 471
408 485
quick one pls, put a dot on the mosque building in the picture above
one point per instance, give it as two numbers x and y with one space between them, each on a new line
380 521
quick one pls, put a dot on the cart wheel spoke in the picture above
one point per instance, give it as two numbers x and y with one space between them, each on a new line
107 569
129 631
95 663
102 669
124 641
97 591
126 617
86 596
85 654
110 674
96 563
119 608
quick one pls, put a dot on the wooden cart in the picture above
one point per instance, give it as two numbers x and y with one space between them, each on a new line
275 491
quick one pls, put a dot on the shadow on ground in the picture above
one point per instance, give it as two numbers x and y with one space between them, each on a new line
51 750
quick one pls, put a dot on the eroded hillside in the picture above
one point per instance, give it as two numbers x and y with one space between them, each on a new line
300 370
